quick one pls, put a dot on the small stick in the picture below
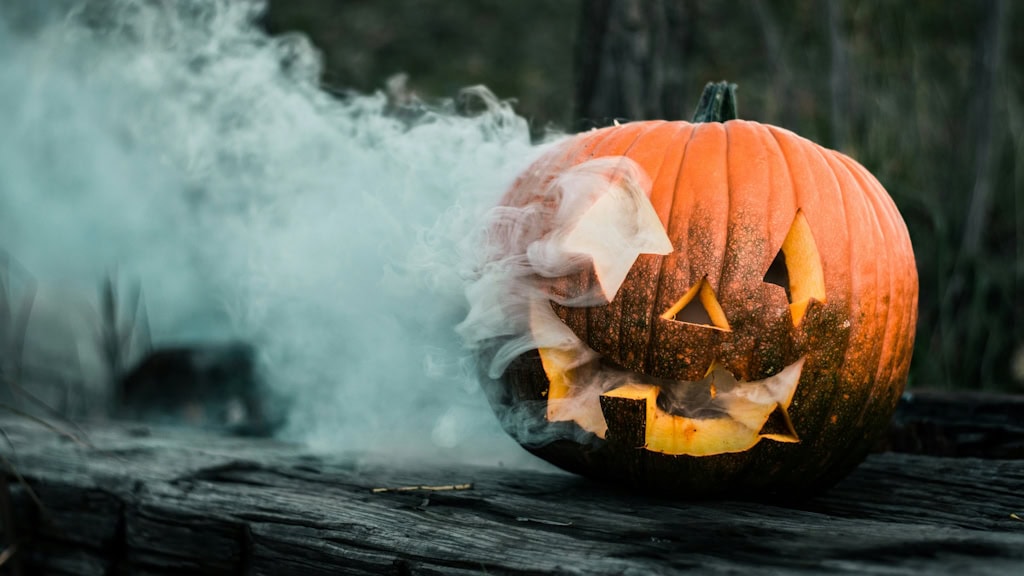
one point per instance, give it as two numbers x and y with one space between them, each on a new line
7 553
442 488
542 521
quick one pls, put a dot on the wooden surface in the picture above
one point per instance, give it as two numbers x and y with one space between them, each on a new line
959 424
158 501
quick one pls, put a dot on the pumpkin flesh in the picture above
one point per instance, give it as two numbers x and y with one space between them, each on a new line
784 296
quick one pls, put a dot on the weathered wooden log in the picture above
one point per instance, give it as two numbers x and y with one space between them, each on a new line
958 424
164 501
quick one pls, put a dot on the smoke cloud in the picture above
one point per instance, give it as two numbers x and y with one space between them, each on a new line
593 218
177 144
567 234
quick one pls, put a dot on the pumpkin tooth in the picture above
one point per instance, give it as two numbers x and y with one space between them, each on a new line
715 365
786 433
715 415
799 310
730 418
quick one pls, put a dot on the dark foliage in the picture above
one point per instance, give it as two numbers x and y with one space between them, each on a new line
930 97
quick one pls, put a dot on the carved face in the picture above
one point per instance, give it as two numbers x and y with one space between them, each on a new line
684 411
744 317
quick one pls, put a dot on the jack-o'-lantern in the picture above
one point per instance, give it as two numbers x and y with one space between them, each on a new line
713 308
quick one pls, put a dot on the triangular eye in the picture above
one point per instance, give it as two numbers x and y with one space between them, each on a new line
779 427
778 274
797 268
699 306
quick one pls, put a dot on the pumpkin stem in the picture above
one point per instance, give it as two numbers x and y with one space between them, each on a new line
717 103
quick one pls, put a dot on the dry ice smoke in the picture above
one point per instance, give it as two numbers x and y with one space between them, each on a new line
566 234
527 248
181 146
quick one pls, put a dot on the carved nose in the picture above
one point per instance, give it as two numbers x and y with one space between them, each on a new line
699 306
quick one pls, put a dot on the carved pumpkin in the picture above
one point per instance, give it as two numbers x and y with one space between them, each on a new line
731 309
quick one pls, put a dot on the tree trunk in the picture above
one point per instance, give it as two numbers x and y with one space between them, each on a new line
839 80
630 61
988 62
780 107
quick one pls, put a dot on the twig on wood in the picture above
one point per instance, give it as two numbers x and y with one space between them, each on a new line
7 553
543 521
442 488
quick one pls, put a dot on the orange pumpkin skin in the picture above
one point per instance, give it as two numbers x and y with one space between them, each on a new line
727 195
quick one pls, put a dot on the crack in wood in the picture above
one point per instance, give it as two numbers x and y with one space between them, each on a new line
242 507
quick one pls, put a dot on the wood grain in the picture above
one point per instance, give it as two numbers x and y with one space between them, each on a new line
168 501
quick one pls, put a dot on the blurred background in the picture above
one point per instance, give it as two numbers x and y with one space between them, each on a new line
255 215
929 96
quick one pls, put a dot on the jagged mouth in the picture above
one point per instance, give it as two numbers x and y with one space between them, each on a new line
717 414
